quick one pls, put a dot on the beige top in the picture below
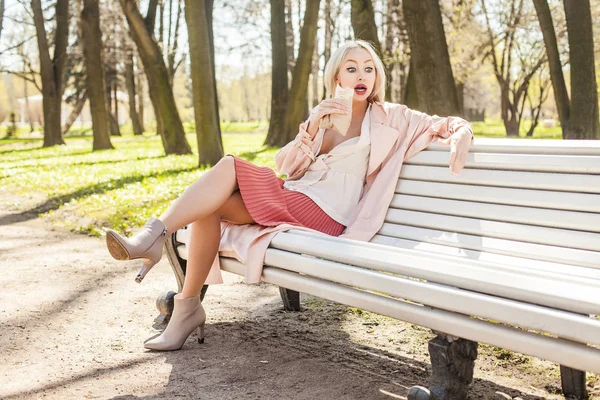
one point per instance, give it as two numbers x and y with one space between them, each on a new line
334 181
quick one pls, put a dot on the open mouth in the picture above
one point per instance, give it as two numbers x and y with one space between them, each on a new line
360 89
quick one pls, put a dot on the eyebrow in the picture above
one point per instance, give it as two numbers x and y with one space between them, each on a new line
357 61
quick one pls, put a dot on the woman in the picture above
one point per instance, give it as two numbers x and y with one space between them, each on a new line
336 183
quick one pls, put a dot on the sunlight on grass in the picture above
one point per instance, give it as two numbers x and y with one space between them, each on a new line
118 188
87 191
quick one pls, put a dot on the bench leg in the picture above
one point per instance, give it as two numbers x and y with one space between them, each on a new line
291 299
573 383
452 364
165 303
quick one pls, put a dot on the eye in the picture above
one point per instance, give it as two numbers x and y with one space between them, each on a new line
351 69
369 69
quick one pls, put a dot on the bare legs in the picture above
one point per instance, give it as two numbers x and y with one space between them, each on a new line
202 197
212 198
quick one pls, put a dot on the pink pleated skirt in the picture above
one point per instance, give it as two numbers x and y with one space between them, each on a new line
270 204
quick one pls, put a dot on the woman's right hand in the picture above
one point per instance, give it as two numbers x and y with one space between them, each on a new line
326 107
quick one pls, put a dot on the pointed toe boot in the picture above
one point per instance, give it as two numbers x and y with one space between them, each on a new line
147 244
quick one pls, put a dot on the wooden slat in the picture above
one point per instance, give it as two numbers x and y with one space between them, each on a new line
590 259
465 274
494 229
578 183
562 351
485 211
528 146
508 196
569 272
563 324
514 162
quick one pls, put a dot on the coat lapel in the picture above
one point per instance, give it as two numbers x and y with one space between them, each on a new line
383 137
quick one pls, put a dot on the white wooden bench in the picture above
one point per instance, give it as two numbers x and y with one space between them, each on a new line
506 253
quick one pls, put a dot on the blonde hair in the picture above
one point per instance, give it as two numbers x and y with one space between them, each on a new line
333 66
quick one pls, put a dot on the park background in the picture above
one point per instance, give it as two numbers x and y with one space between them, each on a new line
64 168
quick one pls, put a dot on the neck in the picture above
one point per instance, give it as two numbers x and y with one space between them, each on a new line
359 109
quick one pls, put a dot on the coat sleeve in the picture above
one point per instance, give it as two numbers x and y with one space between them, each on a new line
295 157
422 129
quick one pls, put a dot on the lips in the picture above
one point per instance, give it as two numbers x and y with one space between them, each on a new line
360 88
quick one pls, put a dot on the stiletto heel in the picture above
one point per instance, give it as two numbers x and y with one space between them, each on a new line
188 316
200 332
146 267
146 244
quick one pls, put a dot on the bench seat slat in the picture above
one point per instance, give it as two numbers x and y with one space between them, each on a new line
493 245
494 229
562 351
496 212
563 324
528 146
514 162
572 273
508 196
451 271
514 179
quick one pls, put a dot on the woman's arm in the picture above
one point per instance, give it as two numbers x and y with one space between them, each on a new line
422 129
295 157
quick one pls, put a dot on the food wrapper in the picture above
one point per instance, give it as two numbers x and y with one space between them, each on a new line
340 122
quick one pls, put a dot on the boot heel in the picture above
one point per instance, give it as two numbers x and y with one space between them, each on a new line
200 332
146 267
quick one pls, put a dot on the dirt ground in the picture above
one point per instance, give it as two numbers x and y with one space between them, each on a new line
73 321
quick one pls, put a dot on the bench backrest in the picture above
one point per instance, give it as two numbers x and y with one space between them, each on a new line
515 199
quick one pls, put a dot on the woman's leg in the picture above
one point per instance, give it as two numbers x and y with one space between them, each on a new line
205 236
203 197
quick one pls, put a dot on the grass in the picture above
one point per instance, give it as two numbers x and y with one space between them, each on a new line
88 192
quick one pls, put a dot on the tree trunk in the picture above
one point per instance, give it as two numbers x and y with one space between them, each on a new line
91 39
410 95
150 19
289 35
279 76
116 97
1 16
328 40
52 69
583 121
211 37
131 93
315 76
210 150
561 97
77 107
168 122
363 22
429 50
297 95
141 99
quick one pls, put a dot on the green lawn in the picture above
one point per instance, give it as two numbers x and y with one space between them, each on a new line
121 188
118 188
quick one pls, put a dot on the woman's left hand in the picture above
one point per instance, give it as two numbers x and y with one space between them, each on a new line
459 148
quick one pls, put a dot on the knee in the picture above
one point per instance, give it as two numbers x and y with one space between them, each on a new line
226 162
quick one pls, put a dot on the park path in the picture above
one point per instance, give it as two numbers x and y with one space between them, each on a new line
72 323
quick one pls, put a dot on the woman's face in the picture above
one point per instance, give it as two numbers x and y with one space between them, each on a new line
357 71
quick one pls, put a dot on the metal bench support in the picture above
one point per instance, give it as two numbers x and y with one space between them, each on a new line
452 364
573 383
291 299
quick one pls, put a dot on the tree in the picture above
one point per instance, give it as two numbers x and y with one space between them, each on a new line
279 85
561 96
583 119
91 36
52 69
131 94
297 95
429 55
512 42
363 22
210 149
168 121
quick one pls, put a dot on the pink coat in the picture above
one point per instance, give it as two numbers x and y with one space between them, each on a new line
397 133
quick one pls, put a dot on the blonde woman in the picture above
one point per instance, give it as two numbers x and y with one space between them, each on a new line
337 184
